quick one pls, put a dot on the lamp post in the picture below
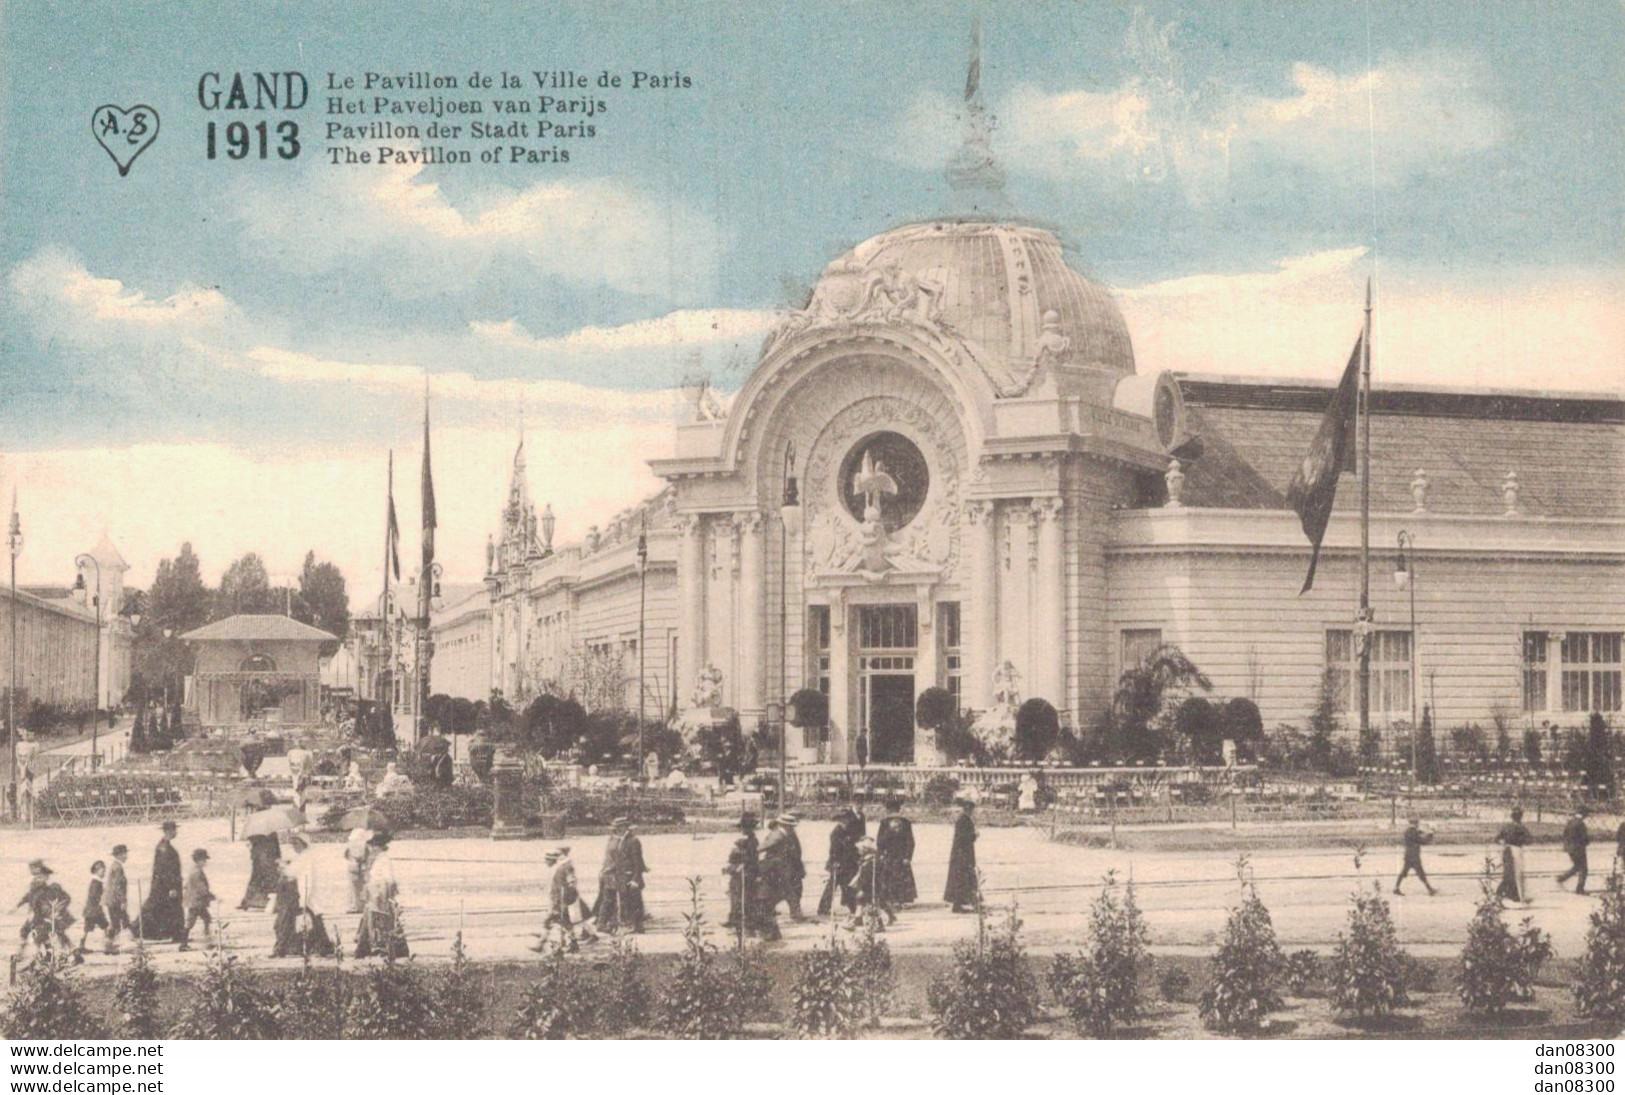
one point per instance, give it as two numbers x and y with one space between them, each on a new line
428 594
14 543
789 519
1405 578
643 604
82 562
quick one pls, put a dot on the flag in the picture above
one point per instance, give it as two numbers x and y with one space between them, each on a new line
1314 484
973 77
429 522
394 533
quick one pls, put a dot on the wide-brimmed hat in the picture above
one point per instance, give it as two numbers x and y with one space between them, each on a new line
121 849
969 804
788 819
168 827
621 821
38 867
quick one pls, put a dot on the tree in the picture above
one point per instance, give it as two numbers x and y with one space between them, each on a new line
1038 728
1599 757
1427 753
176 602
1323 722
245 587
1243 724
323 601
1201 722
1142 692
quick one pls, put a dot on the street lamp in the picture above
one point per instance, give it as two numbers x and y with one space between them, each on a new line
643 604
14 543
82 562
790 520
1405 578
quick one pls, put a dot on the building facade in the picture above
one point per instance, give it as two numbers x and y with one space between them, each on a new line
253 668
991 496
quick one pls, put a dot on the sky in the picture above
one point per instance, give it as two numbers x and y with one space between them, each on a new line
225 352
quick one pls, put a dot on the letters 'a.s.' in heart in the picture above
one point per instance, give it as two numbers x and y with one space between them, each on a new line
124 132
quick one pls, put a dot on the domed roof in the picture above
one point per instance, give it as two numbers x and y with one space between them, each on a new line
995 284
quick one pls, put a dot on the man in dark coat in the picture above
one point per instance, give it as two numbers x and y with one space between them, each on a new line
783 871
894 843
1575 839
49 917
116 896
962 889
633 868
1414 838
607 912
842 862
162 916
747 905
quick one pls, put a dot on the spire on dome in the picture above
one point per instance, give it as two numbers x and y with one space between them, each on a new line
973 171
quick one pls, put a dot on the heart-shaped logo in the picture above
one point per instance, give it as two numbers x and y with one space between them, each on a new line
124 132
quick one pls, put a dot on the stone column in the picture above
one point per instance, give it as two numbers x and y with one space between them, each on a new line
1049 600
752 632
840 680
979 614
691 599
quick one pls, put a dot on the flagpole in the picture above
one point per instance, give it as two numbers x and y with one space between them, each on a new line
1364 620
386 677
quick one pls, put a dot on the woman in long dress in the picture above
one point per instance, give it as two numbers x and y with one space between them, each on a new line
311 928
962 889
161 915
381 932
1512 838
264 870
285 915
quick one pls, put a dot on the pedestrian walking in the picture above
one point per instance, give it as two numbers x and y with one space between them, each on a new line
962 891
562 897
264 871
607 909
842 862
381 931
894 843
310 925
94 915
48 917
162 915
358 852
116 896
197 897
783 872
633 869
866 887
1512 838
1575 839
1413 839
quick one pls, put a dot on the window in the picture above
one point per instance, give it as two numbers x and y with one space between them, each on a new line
887 627
1138 643
1535 671
1591 671
1390 671
818 662
953 663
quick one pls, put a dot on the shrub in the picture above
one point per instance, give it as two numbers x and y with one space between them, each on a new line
46 1003
481 755
1531 746
1600 987
989 992
935 708
559 1004
622 989
459 995
1427 751
1498 966
1100 987
312 1005
1038 728
1241 720
1302 972
391 1001
871 968
809 708
1368 969
227 1002
1174 983
1197 719
1599 757
824 999
1241 991
135 997
701 999
939 790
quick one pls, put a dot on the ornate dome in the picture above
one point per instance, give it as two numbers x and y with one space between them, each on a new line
1004 288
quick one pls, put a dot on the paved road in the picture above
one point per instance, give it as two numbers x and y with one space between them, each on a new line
495 891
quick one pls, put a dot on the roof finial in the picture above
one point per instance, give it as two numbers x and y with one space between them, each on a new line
973 169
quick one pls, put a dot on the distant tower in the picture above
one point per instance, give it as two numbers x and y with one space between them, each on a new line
973 171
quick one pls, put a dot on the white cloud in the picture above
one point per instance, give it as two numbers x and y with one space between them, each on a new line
415 239
671 331
1539 329
67 301
1415 114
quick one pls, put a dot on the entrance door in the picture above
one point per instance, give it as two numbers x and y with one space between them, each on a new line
891 718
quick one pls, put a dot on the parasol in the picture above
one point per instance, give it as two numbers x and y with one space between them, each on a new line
256 798
276 819
366 817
